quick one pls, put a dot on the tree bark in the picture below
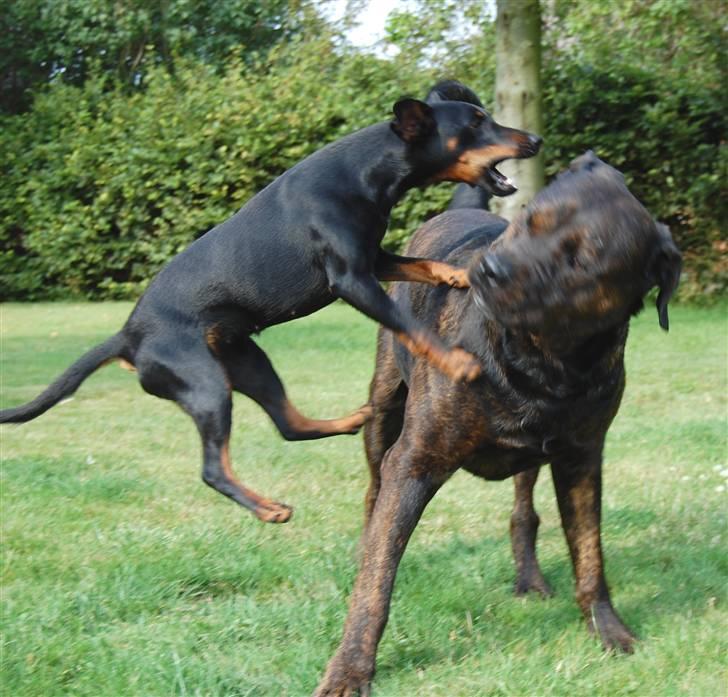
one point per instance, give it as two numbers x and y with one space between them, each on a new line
518 94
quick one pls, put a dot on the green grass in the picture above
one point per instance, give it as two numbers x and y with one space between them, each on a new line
124 575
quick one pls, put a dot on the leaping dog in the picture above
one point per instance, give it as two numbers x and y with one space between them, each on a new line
311 236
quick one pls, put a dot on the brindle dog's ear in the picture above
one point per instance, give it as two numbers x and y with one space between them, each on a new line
413 120
549 216
664 271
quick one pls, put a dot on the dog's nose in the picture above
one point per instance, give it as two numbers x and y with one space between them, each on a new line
494 269
535 142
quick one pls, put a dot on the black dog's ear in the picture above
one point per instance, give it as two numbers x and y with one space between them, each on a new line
664 272
413 120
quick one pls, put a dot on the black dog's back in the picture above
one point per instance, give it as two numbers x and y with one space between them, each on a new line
271 245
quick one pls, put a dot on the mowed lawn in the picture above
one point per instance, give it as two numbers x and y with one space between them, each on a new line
123 574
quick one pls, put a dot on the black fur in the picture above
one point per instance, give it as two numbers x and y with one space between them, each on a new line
310 237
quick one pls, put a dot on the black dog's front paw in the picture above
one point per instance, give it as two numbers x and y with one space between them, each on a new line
360 417
459 278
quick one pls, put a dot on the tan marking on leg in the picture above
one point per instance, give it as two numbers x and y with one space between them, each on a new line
344 425
456 363
427 271
265 509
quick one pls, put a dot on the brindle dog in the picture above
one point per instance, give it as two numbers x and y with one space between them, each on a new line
547 315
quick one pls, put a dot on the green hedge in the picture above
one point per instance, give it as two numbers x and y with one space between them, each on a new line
101 186
665 135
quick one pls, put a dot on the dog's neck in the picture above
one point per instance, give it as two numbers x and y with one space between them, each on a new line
390 173
596 361
538 361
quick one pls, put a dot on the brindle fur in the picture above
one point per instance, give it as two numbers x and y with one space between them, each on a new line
547 315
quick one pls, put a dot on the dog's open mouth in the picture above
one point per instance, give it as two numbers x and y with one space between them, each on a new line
497 183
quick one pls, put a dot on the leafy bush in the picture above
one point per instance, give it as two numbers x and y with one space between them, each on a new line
665 135
100 185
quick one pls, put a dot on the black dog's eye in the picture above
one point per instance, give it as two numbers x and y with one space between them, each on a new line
477 119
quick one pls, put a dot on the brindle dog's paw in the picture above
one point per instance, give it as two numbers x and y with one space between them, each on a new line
535 583
343 688
343 679
612 632
274 513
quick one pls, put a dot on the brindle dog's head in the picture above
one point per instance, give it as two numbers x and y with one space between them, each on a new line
578 259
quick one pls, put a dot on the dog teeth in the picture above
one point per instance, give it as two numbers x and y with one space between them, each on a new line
509 181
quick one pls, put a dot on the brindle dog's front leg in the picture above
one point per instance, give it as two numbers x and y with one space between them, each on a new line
402 497
578 483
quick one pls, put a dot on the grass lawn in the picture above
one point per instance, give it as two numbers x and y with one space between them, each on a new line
122 574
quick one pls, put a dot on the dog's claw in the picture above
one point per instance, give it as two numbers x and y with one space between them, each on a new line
524 586
459 279
361 416
342 679
343 690
274 513
605 623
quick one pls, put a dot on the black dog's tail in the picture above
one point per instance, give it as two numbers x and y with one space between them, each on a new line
67 383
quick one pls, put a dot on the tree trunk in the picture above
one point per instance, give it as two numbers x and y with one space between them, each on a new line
518 93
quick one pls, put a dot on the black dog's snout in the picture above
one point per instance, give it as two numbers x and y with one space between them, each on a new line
534 143
494 269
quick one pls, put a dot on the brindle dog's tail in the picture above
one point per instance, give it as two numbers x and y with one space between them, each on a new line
67 383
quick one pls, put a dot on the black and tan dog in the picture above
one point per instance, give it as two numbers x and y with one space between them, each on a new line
547 315
311 236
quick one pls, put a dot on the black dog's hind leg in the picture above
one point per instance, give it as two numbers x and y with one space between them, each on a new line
524 526
251 373
194 379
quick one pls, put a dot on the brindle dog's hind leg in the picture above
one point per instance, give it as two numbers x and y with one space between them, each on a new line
524 526
182 368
